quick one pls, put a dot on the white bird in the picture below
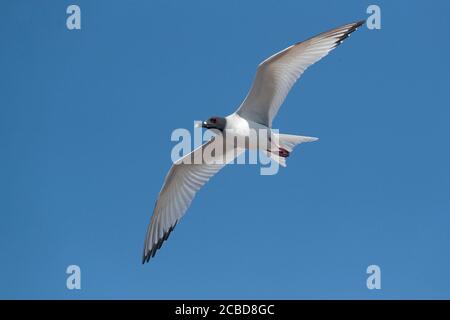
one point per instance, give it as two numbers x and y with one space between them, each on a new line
275 76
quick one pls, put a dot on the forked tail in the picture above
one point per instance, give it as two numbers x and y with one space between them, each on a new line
284 144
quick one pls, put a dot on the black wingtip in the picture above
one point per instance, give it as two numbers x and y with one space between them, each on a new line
359 23
151 253
353 27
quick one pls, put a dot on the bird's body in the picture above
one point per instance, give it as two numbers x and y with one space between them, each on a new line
274 78
240 126
243 128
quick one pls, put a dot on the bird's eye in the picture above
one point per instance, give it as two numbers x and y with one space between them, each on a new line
213 120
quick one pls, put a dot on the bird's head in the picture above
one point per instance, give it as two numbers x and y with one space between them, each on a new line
218 123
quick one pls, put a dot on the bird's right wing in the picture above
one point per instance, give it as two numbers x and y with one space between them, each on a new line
184 179
277 74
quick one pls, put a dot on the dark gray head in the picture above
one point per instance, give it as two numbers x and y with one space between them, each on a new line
218 123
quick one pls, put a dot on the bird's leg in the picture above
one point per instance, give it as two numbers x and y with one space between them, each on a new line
283 153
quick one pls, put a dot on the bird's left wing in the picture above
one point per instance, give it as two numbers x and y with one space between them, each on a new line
184 179
277 74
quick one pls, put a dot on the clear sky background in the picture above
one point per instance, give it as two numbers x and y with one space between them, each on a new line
85 124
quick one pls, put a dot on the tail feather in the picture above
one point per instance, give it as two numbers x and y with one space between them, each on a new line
288 142
275 157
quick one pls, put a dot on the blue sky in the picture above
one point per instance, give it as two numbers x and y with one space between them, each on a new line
85 124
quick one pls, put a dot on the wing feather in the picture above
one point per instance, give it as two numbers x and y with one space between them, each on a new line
276 75
180 186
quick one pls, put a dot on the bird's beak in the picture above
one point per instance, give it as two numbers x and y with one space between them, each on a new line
204 124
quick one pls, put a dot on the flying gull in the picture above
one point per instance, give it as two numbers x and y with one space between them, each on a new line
274 78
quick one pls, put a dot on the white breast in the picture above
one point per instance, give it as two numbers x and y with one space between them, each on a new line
237 125
242 127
